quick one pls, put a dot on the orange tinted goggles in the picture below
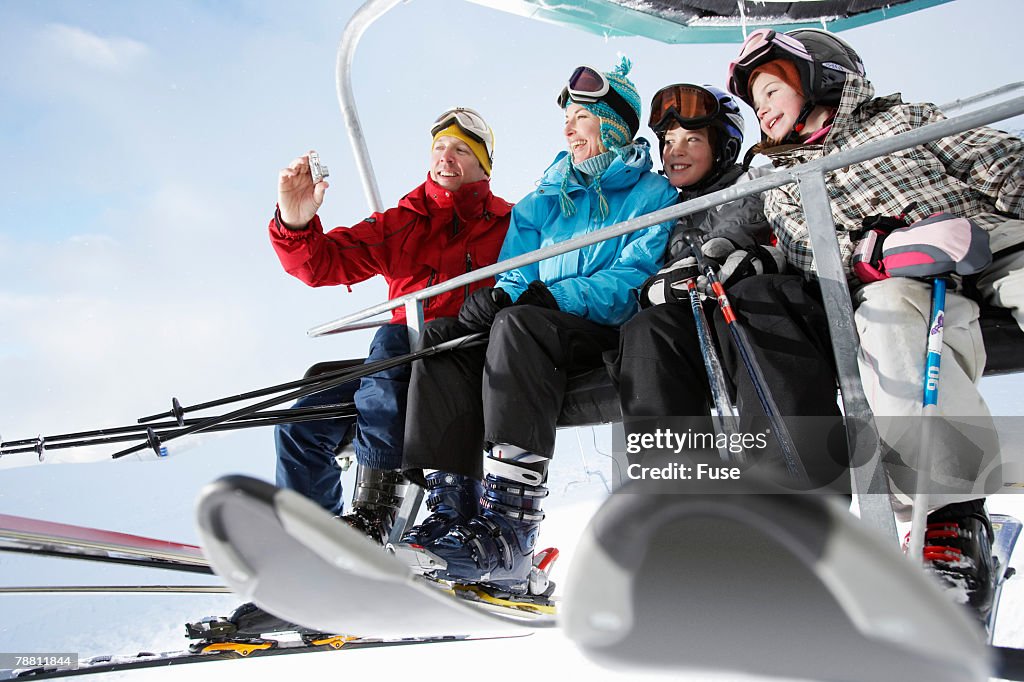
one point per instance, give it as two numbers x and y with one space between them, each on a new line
691 106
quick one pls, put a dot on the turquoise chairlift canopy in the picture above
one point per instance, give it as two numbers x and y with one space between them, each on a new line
706 21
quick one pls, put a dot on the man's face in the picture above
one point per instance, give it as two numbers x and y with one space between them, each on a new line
777 104
453 164
687 155
583 133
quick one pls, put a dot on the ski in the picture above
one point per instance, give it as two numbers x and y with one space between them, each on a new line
219 650
34 536
259 538
775 571
115 589
1007 531
634 590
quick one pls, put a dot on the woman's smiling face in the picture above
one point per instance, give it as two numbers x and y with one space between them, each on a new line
583 133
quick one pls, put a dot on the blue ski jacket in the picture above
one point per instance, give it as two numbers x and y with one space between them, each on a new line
596 282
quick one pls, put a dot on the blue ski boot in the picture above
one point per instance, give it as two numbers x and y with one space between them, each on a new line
496 548
451 499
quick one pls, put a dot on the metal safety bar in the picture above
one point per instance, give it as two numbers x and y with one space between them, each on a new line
958 104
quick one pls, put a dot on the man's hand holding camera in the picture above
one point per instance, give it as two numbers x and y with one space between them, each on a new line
300 190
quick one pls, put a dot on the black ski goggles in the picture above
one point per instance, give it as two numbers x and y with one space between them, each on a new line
587 85
691 106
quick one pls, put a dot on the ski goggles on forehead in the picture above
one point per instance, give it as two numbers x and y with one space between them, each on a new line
470 122
764 40
692 106
587 85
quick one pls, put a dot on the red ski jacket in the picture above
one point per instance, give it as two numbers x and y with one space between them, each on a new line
432 236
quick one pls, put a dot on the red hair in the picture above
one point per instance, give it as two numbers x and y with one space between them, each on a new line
784 70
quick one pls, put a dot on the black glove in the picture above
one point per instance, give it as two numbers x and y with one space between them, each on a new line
477 313
758 260
538 294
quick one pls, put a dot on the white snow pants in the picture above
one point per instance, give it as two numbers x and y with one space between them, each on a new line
892 318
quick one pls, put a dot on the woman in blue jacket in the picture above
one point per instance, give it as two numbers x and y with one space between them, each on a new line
490 412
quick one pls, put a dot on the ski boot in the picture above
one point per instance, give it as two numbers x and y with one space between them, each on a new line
451 499
495 549
243 631
958 549
375 503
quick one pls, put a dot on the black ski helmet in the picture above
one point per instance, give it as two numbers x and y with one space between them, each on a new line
728 125
823 63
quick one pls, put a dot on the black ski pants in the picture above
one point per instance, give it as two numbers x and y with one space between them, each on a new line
660 371
509 391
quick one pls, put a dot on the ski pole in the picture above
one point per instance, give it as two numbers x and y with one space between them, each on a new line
725 420
794 465
129 433
116 589
177 410
358 373
919 519
137 428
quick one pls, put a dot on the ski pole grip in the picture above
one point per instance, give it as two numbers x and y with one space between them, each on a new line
692 236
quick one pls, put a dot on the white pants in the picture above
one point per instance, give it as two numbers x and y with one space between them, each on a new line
892 318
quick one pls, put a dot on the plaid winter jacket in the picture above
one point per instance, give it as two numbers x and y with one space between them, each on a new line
977 174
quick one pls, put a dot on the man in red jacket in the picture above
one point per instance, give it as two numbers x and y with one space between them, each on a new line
449 225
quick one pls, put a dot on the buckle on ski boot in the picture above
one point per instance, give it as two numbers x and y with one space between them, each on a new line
540 583
212 629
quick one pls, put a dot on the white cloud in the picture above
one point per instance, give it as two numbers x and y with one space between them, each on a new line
88 48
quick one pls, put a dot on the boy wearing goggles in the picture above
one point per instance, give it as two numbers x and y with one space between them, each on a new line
447 226
659 370
491 412
808 87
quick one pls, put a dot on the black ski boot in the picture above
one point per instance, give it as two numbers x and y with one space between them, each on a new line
247 623
375 503
496 548
958 548
451 499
